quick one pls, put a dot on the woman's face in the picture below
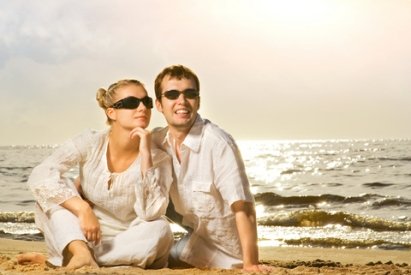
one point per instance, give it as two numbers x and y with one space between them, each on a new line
127 114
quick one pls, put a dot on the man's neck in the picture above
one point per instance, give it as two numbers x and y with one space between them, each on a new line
178 136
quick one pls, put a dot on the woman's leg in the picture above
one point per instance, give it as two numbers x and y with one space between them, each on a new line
77 254
66 244
143 244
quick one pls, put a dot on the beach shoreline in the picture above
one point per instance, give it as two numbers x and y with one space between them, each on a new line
285 260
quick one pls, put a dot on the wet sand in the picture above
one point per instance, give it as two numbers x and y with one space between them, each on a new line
285 260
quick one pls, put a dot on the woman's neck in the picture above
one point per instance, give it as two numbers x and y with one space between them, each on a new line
121 150
120 141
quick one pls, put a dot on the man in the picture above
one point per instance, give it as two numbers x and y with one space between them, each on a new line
210 190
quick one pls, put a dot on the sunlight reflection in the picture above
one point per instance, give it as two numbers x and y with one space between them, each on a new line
260 210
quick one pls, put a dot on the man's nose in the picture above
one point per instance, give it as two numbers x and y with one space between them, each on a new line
181 98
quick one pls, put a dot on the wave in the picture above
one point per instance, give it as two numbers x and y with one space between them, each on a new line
376 201
377 184
291 171
391 202
16 168
22 237
392 159
21 216
336 242
272 199
16 172
315 218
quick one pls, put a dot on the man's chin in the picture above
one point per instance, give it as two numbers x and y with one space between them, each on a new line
181 124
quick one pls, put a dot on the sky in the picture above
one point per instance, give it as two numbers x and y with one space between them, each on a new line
295 69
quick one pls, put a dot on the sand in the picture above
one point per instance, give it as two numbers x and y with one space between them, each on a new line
284 260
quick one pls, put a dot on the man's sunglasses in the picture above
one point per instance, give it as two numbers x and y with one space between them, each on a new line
132 102
188 93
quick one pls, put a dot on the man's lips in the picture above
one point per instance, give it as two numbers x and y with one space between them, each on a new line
182 112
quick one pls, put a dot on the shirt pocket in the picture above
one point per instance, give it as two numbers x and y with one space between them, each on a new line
203 201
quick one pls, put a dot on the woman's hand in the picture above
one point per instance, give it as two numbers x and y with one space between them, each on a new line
145 139
89 223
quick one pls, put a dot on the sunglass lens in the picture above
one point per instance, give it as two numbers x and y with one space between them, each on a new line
190 93
130 103
173 94
148 102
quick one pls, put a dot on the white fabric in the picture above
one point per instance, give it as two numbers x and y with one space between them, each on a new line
209 179
143 244
129 204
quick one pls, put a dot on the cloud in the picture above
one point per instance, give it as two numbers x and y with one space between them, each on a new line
346 59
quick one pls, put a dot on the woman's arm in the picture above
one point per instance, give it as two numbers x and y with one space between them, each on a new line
51 188
88 221
153 187
154 180
47 181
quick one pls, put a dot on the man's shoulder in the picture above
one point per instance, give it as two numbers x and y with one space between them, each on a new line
159 155
159 131
216 134
158 135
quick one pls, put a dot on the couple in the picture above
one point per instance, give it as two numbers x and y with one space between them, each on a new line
113 215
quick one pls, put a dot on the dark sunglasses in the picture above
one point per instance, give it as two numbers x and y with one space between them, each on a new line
188 93
132 102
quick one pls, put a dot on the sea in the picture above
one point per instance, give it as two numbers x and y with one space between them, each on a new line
308 193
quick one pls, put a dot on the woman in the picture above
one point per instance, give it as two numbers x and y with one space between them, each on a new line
125 186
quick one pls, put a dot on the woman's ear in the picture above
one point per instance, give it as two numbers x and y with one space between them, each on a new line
111 113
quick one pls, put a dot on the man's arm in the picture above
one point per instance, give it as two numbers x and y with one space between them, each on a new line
247 229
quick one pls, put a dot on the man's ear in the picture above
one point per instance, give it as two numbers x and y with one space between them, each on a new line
199 102
111 113
159 106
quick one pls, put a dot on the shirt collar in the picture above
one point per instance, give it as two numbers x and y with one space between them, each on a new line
193 139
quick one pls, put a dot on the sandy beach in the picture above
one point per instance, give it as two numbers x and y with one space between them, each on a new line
286 260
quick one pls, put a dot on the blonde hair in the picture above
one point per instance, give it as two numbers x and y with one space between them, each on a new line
105 98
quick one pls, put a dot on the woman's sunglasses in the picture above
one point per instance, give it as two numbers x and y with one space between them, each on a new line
132 102
174 94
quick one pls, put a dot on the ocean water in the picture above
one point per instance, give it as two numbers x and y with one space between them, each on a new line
319 193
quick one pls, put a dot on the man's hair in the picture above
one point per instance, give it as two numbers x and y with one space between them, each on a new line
175 71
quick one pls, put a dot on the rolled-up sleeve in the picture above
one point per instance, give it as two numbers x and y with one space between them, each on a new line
230 176
152 188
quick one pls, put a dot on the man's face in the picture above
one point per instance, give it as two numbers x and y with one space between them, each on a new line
181 112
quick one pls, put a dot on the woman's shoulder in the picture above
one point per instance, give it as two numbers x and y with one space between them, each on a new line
90 137
92 134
